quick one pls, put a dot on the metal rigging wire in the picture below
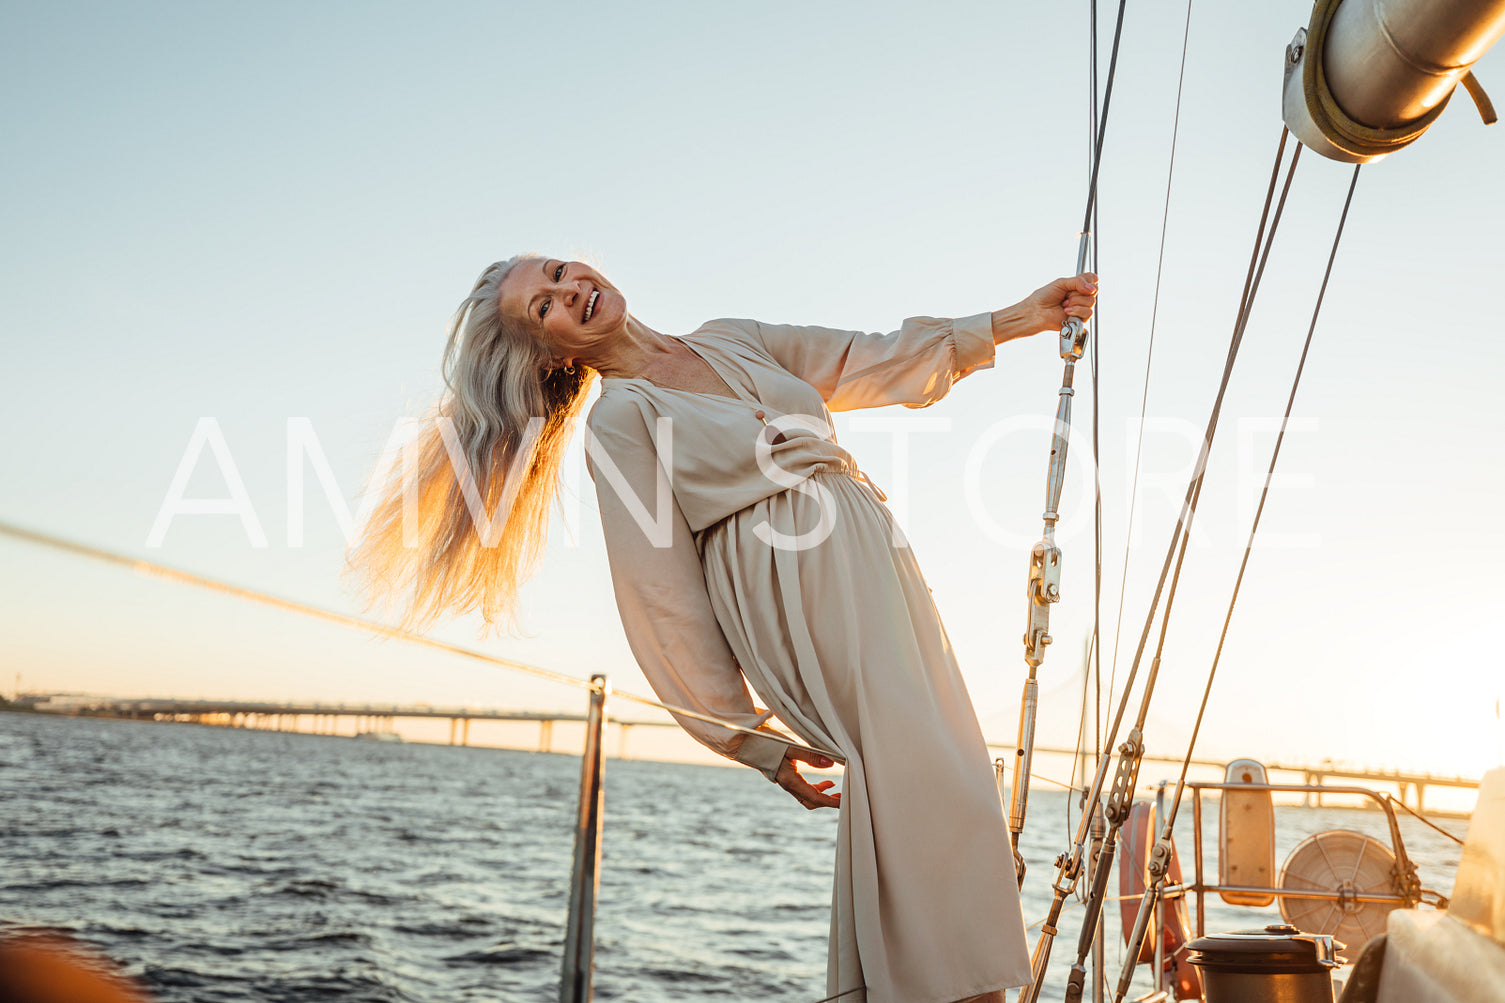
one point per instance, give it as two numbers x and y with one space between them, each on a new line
1069 865
1102 129
1045 556
357 623
1152 894
1264 494
1176 554
1149 355
1096 654
1092 672
182 577
1421 818
1097 468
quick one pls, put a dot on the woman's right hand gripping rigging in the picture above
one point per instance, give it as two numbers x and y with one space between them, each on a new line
812 796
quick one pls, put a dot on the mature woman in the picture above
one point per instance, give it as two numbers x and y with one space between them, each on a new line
745 547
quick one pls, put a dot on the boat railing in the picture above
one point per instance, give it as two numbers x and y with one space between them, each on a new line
578 953
585 879
1406 886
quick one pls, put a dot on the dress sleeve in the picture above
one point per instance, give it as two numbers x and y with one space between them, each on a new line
914 366
661 593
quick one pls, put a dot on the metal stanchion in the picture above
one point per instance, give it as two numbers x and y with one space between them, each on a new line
1099 946
579 938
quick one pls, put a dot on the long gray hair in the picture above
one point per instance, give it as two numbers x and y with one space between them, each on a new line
462 522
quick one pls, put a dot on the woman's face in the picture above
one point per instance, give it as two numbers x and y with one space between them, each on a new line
570 307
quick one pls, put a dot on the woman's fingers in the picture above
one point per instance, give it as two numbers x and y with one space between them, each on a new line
1084 284
815 759
1079 295
1082 309
816 799
1050 306
812 796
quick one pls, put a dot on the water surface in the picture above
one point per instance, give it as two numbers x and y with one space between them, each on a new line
216 864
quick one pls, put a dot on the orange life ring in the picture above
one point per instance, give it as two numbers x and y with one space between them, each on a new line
1138 836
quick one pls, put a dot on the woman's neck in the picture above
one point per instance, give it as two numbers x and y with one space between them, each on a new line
636 351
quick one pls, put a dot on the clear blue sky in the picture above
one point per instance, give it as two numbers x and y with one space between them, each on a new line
255 214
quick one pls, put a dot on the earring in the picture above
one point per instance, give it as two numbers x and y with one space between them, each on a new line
569 370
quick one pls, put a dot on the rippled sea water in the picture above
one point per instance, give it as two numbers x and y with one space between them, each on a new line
215 864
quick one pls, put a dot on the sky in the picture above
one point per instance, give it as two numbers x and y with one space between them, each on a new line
262 215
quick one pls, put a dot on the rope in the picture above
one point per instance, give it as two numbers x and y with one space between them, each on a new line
1036 776
1072 905
1063 786
182 577
1065 909
357 623
1420 818
1481 99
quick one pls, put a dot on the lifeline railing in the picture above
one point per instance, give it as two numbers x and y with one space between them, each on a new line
585 880
1405 887
578 955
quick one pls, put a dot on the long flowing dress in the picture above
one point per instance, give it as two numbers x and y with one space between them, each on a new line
746 547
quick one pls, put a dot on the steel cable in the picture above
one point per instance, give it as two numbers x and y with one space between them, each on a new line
345 620
1094 648
1068 864
181 577
1149 355
1169 823
1421 818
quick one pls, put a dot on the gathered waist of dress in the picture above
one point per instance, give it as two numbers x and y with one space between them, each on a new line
830 467
847 475
836 462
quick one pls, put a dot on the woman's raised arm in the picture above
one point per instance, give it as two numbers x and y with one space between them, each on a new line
917 364
914 366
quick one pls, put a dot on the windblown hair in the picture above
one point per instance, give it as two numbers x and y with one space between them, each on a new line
460 523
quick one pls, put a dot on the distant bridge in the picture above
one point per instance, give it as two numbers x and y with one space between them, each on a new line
1406 782
324 718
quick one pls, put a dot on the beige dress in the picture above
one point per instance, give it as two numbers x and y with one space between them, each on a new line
744 549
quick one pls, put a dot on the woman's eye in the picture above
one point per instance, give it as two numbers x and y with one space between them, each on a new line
543 310
559 273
